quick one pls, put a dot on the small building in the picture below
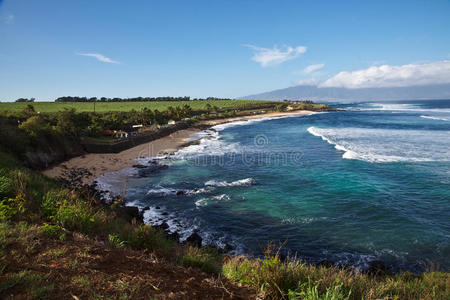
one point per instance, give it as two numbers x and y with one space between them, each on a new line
139 128
119 134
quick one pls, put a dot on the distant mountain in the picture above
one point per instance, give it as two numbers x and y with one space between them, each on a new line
311 92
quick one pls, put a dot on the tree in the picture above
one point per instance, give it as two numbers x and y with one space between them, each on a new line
35 126
25 100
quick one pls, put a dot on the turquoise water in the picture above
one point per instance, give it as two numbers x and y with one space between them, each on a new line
368 183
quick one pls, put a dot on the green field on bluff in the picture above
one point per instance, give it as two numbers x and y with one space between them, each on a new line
49 107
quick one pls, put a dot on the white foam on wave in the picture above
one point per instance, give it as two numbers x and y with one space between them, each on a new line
395 107
185 226
210 143
435 118
241 182
245 122
305 220
387 145
163 191
205 201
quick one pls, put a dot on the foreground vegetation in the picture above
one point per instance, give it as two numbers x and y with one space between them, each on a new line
42 225
58 243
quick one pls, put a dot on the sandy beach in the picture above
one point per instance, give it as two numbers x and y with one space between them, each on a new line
98 164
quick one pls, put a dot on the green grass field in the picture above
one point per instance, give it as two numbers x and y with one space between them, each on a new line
49 107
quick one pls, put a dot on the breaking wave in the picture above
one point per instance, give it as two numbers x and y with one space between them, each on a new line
434 118
242 182
387 145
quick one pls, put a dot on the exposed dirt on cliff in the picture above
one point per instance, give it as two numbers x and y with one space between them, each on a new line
80 268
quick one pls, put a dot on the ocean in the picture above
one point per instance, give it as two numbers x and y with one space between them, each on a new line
368 183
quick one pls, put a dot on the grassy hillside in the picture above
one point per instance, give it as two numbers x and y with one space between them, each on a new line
50 107
59 243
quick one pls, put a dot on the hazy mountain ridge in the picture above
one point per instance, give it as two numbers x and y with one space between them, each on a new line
311 92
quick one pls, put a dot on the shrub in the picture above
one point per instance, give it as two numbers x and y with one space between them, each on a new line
78 217
50 203
115 241
12 208
207 259
36 126
145 237
6 186
53 231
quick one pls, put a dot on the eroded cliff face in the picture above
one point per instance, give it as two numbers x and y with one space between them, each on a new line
50 152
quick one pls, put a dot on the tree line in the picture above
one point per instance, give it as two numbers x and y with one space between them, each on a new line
134 99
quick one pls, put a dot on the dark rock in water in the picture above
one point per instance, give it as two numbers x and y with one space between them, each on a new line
226 249
163 226
378 268
195 239
325 263
151 168
173 235
129 213
157 207
145 208
165 214
180 193
138 166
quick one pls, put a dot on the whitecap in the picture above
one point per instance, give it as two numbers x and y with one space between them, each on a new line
205 201
210 144
245 122
163 191
434 118
387 145
394 107
241 182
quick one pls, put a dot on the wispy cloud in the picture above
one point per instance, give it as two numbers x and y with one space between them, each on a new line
313 68
392 76
275 56
8 18
99 57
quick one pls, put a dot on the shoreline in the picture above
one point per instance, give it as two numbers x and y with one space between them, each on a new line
91 166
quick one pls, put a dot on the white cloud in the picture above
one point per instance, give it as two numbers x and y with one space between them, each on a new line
99 57
392 76
9 18
275 56
310 81
312 68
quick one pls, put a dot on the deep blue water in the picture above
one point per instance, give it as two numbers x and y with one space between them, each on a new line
368 183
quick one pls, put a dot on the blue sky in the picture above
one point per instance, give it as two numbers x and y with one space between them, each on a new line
52 48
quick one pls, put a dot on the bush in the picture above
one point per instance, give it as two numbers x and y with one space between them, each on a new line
36 126
53 231
77 217
206 259
50 203
12 208
145 237
6 185
115 241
